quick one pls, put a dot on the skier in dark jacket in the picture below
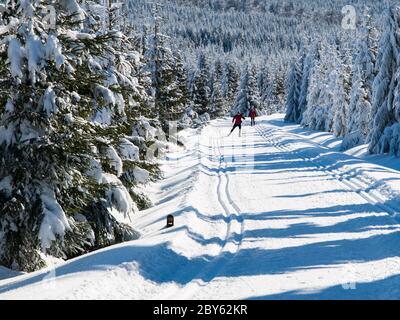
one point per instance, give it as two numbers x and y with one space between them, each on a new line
237 123
253 115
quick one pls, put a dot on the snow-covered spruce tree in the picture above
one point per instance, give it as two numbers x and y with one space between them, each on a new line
218 107
126 109
218 72
230 83
181 79
276 95
328 91
307 67
271 85
144 73
248 96
168 80
312 115
201 86
254 92
340 96
264 84
56 197
173 96
319 113
293 91
385 133
359 121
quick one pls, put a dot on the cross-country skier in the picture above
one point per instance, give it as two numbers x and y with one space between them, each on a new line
253 115
237 123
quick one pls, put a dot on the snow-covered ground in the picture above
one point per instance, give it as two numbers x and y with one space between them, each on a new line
275 214
6 273
328 140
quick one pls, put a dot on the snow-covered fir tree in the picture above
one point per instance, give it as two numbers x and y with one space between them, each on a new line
340 95
181 79
318 100
130 107
308 65
359 120
168 80
264 83
230 83
201 86
65 87
277 100
328 91
217 105
218 71
385 133
248 96
293 92
272 87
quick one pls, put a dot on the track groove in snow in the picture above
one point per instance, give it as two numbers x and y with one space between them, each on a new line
235 227
356 184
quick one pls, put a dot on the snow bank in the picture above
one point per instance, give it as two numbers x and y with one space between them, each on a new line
328 140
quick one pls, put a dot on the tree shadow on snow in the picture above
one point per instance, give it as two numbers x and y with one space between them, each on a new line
159 263
373 290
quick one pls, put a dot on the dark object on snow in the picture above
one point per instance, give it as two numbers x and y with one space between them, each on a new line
170 221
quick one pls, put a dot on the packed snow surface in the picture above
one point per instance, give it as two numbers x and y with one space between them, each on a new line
275 214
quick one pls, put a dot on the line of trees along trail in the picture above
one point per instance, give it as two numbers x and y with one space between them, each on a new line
351 88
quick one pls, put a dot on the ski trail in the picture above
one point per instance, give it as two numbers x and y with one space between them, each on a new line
264 216
346 276
353 183
235 228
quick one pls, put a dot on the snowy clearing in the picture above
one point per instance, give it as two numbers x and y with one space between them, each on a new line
270 215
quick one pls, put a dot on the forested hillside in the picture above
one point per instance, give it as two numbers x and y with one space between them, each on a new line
263 36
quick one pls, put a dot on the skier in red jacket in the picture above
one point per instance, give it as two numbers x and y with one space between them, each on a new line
253 115
237 120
